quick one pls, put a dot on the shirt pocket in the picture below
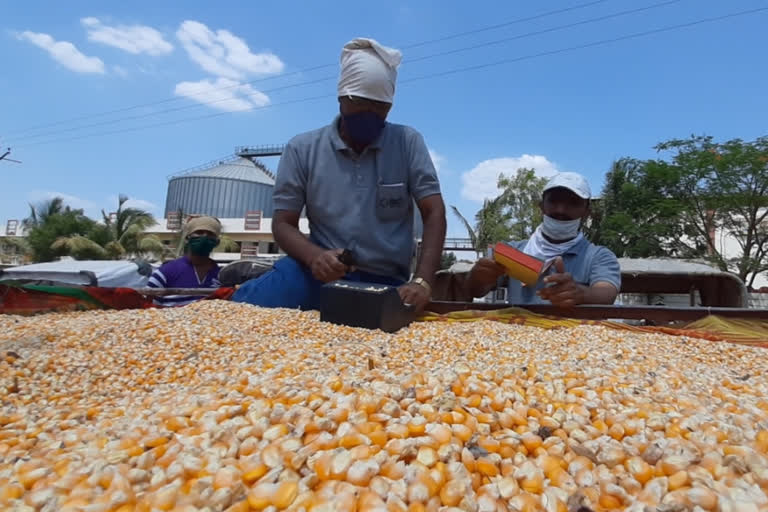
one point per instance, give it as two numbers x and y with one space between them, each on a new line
391 201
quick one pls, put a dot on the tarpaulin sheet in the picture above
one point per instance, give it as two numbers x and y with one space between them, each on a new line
36 299
714 328
107 274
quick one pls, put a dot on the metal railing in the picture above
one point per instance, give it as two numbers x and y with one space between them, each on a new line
458 244
264 150
207 165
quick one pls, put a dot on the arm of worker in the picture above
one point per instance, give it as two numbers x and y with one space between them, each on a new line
603 288
425 189
432 211
324 263
483 277
289 198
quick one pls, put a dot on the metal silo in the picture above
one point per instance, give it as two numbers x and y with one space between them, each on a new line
225 189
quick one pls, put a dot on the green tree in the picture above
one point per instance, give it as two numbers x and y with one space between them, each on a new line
117 237
686 205
42 211
50 221
491 224
226 244
127 228
520 198
447 259
724 189
14 246
639 213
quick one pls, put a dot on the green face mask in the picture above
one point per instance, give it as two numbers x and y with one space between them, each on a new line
201 245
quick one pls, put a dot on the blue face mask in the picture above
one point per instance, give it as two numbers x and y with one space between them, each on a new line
364 127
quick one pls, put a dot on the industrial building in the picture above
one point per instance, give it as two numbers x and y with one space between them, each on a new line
238 191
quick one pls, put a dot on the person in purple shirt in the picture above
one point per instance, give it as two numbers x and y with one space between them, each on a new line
195 269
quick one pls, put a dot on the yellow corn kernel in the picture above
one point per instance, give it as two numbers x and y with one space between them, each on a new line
285 494
486 467
260 496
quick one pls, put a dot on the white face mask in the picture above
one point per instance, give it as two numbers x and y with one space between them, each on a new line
560 229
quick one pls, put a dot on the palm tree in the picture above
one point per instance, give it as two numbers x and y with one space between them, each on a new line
492 224
15 245
470 230
127 227
119 236
80 247
39 213
226 244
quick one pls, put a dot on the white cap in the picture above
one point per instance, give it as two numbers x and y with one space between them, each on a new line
574 182
368 70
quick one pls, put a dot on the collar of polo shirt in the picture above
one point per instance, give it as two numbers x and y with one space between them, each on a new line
340 145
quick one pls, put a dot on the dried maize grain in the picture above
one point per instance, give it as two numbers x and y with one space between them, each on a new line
270 409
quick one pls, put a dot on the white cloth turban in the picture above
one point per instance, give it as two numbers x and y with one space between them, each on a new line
368 70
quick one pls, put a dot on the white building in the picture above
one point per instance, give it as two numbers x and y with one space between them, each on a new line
252 234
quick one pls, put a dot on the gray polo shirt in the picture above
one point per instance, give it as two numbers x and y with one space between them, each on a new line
364 202
588 264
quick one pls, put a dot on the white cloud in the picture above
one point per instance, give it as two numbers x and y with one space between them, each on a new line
223 94
437 159
120 71
480 182
133 39
143 204
112 202
223 53
65 53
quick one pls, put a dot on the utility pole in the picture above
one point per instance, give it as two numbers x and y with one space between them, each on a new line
4 157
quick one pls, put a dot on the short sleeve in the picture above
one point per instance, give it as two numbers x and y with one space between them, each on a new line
422 176
159 278
291 182
605 268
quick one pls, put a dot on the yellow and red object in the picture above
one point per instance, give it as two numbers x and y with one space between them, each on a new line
525 268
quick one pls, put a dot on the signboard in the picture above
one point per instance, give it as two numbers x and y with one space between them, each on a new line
11 227
173 221
253 220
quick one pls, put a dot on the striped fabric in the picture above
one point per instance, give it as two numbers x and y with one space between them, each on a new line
180 273
752 332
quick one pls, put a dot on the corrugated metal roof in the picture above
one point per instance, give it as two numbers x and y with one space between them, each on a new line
237 169
230 226
631 265
665 265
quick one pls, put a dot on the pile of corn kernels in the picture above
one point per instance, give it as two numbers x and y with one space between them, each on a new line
223 406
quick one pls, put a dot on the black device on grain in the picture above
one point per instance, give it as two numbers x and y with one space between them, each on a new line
366 305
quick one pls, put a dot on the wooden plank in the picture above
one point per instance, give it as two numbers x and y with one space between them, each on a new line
600 312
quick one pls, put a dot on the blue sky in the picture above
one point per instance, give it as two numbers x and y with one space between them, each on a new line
577 110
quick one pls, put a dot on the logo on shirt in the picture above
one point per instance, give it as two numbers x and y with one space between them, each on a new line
391 202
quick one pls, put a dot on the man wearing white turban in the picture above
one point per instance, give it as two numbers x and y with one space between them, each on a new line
359 180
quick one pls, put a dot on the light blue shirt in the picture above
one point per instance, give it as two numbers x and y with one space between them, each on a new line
364 203
588 264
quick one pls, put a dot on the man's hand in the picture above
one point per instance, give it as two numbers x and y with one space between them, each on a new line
564 292
486 272
326 266
414 295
